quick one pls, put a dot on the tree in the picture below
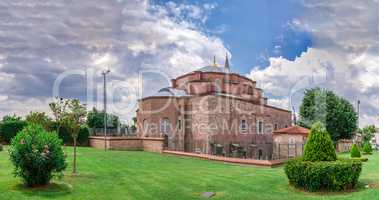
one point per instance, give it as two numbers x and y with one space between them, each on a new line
134 125
95 119
367 148
367 132
70 113
354 152
319 146
73 119
58 107
10 126
39 118
336 113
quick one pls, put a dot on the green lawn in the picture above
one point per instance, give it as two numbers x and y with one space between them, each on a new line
142 175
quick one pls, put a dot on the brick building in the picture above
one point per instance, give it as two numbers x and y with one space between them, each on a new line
212 110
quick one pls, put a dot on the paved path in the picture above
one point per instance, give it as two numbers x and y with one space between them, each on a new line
268 163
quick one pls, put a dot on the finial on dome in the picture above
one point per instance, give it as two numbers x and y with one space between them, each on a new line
227 62
214 61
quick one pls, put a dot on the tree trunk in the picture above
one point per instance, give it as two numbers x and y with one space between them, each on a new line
74 163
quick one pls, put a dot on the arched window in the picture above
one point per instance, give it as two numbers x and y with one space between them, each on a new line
145 125
218 85
291 147
243 125
260 127
165 126
250 90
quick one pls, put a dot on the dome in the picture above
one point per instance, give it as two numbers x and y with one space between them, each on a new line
170 92
214 69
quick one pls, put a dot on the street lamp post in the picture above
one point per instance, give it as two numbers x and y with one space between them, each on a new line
358 104
104 73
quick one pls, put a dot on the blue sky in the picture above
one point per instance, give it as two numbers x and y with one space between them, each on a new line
255 30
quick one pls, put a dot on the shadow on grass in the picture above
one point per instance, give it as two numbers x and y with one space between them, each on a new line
51 190
359 188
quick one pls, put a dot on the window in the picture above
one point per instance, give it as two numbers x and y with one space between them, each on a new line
250 90
165 126
145 126
218 85
275 127
179 124
291 147
260 127
243 125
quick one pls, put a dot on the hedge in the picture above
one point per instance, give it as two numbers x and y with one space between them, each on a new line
326 175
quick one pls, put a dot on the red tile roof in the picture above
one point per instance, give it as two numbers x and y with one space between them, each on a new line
293 130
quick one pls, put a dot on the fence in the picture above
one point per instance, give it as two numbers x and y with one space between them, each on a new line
113 132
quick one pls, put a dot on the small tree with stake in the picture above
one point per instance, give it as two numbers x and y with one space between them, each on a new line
71 114
73 119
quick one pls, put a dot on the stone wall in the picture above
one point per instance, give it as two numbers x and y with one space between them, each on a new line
128 143
152 144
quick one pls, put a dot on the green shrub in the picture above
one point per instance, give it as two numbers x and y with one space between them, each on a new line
65 135
319 146
354 152
331 176
37 155
83 137
1 147
10 127
367 149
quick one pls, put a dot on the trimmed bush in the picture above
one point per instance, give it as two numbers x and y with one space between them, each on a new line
354 152
319 146
367 149
37 155
330 176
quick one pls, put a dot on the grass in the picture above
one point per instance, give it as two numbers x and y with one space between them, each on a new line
143 175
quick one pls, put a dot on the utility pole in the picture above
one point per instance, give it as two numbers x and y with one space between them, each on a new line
358 104
104 73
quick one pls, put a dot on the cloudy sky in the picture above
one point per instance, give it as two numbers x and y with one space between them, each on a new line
60 47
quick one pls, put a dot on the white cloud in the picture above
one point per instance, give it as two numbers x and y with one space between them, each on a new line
41 39
344 57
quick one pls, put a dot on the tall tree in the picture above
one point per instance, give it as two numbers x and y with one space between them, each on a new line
367 132
336 113
95 119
